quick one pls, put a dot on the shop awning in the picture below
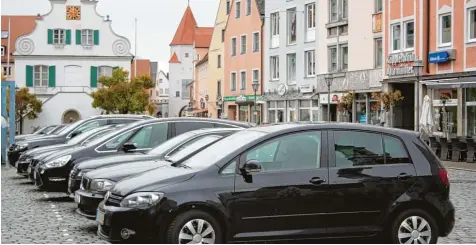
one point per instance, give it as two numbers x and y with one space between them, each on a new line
464 82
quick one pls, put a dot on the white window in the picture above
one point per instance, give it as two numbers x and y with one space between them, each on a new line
87 37
166 91
248 7
344 9
256 44
105 71
243 80
256 76
338 9
274 61
40 76
445 30
59 36
233 46
275 24
333 10
291 14
238 10
160 80
409 34
233 81
311 16
378 6
333 58
344 57
3 51
310 62
4 34
378 53
243 44
291 64
472 24
7 71
396 37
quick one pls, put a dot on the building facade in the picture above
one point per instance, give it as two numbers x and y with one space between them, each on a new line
200 95
162 93
243 60
441 33
63 57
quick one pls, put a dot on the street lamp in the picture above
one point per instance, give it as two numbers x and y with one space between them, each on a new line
219 105
255 89
417 69
329 79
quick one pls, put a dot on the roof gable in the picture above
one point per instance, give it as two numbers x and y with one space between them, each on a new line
203 37
174 58
186 29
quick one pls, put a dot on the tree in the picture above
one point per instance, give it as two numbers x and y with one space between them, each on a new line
118 94
26 105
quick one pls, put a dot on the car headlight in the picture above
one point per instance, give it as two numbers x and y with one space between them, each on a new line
58 162
142 199
22 146
101 184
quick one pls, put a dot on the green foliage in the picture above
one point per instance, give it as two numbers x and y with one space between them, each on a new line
119 95
26 104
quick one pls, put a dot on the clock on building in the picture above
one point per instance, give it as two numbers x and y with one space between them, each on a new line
73 12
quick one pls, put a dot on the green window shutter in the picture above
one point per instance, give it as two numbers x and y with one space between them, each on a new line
96 37
78 37
68 37
52 76
94 76
50 36
29 76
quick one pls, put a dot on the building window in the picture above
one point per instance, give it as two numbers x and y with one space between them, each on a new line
256 76
219 61
243 80
59 36
274 60
87 37
233 81
4 34
186 55
378 6
7 71
345 9
233 46
219 87
248 7
310 62
3 51
291 68
333 12
378 53
41 76
291 14
198 56
409 35
160 80
256 42
311 15
332 31
177 93
228 6
445 30
344 57
186 89
223 35
238 10
396 35
104 71
343 30
243 44
472 24
333 58
166 91
275 24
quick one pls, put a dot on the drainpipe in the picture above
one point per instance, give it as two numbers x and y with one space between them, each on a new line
427 49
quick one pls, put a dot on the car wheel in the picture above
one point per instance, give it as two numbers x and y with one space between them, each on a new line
194 226
414 226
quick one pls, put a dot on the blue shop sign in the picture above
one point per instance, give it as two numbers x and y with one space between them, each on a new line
438 57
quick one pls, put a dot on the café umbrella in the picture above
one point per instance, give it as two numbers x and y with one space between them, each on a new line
427 117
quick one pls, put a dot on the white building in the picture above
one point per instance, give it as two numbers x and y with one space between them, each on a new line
162 90
62 59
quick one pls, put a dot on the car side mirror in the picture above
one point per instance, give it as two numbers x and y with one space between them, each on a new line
74 134
129 147
251 166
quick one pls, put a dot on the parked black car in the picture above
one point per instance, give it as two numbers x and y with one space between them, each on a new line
286 182
15 150
47 130
25 158
137 137
96 183
157 153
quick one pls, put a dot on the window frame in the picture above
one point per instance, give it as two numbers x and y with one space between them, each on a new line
238 9
233 45
256 41
241 79
331 19
313 4
248 7
376 65
228 7
289 31
7 70
378 6
274 24
253 75
86 33
3 50
59 36
330 59
274 65
43 82
405 35
243 45
341 57
233 84
440 30
471 10
306 59
289 80
102 68
219 61
392 37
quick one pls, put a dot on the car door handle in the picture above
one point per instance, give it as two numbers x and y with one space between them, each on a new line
404 176
317 181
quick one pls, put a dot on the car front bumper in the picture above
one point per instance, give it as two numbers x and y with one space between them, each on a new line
14 155
43 177
88 203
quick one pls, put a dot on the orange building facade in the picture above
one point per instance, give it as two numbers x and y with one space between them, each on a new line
442 34
243 61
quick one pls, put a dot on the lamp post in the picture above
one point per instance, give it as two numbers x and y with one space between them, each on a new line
219 105
329 79
255 89
417 69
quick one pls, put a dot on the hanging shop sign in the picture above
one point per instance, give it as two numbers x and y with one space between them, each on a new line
400 64
306 88
438 57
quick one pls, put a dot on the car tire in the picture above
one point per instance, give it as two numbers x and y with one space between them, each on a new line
179 231
403 227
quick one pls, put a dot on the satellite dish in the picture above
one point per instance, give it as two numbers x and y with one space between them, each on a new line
4 122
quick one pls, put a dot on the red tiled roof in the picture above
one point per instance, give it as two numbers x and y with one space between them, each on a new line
174 58
203 37
185 31
20 25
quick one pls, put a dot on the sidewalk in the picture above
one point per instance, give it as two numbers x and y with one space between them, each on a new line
460 166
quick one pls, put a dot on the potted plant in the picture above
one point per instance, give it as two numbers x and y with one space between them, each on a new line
344 104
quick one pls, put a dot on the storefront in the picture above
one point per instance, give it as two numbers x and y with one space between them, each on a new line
241 108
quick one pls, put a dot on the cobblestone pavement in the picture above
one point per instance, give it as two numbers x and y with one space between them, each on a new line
33 216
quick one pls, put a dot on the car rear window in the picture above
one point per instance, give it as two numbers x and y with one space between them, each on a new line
428 153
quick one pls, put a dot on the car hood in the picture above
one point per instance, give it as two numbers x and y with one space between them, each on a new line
63 152
114 160
44 141
44 154
153 180
24 136
50 148
121 171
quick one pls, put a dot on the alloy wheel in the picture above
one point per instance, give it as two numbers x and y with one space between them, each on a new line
197 231
414 230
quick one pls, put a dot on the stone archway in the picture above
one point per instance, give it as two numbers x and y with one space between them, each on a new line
70 116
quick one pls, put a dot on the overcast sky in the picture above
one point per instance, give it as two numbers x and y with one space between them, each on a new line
157 20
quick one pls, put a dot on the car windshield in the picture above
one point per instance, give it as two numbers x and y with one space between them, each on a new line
80 138
70 127
112 133
57 130
216 152
169 144
46 129
190 147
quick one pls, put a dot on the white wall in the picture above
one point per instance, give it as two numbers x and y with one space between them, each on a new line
164 85
202 80
177 72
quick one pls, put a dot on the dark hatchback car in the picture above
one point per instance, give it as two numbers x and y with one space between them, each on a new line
136 137
25 158
157 153
15 150
289 182
95 184
47 130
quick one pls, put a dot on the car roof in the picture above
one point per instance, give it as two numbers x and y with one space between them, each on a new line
199 119
121 116
214 130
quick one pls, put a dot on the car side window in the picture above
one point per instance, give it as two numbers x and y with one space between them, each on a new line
114 143
150 135
183 127
297 151
230 169
91 125
354 148
220 125
395 152
121 121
